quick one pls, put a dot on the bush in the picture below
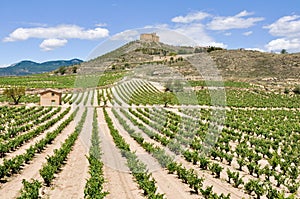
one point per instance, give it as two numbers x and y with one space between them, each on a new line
297 89
213 48
30 189
286 91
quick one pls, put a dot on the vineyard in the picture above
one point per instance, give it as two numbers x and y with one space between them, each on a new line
133 140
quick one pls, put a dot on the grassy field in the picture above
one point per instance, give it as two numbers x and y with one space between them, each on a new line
60 81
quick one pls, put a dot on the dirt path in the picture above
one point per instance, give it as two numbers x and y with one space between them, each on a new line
71 180
22 149
95 98
119 182
168 184
89 96
11 188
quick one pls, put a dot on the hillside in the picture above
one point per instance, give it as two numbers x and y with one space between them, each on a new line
258 65
131 55
244 65
30 67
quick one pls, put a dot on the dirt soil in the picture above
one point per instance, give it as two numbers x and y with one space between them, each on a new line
11 188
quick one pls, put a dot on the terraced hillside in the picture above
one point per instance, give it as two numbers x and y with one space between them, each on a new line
239 64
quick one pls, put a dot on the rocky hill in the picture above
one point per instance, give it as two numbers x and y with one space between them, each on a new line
255 64
231 64
132 54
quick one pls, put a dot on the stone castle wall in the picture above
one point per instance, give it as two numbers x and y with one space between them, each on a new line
152 37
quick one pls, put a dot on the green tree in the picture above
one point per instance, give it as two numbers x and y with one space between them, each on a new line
15 93
74 69
62 70
283 51
167 98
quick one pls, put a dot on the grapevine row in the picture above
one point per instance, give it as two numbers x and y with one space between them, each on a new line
138 169
94 185
55 161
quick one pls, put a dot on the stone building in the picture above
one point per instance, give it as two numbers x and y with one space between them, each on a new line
152 37
50 97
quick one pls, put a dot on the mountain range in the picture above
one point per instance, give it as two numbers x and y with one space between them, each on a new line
29 67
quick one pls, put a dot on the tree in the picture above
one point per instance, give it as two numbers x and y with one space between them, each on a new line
167 98
74 69
62 70
213 48
283 51
16 93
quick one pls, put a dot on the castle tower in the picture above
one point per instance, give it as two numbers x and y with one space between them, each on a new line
150 37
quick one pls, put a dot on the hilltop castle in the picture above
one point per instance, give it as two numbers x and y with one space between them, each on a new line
152 37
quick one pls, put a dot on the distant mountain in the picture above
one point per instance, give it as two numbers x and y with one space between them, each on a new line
30 67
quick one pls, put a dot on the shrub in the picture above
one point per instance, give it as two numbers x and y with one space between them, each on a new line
286 91
296 90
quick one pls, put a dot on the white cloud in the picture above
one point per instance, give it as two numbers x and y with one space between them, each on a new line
228 34
247 33
127 35
37 24
238 21
283 43
197 32
217 44
288 29
244 13
101 24
161 26
287 26
51 44
59 32
188 31
197 16
175 37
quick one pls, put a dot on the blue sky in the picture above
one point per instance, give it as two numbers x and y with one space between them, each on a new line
50 30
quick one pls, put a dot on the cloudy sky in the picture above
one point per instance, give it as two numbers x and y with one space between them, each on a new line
51 29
